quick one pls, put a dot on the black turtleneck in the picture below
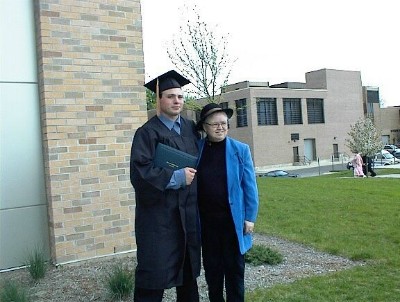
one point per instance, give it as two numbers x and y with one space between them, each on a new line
211 179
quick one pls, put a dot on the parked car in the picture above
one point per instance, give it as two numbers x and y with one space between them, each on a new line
278 173
350 165
396 154
385 158
391 148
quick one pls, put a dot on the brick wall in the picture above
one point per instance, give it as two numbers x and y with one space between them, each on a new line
91 72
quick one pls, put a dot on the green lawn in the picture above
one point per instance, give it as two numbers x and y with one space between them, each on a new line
351 217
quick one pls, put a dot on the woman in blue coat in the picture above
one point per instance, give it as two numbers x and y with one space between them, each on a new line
228 204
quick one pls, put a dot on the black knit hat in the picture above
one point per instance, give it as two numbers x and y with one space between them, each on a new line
210 109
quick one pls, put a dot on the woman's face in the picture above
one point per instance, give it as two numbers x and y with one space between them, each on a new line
216 126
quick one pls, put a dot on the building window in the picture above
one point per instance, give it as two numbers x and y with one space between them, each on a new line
266 111
373 95
224 105
294 136
292 111
315 111
241 113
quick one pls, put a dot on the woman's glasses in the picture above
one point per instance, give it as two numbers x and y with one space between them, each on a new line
216 125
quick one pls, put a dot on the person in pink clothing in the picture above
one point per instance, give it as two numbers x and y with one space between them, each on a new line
358 165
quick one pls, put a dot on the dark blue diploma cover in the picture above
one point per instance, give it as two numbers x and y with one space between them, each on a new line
172 158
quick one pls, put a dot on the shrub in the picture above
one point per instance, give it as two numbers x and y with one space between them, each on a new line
13 292
36 263
260 254
120 281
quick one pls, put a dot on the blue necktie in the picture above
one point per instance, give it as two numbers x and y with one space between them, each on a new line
177 128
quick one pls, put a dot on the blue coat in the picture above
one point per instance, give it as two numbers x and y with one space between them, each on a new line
242 188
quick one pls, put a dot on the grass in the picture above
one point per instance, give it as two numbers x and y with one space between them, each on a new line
120 282
355 218
36 263
13 292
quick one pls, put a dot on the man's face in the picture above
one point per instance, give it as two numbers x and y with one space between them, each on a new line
171 102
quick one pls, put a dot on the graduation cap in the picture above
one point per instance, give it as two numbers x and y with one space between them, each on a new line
170 79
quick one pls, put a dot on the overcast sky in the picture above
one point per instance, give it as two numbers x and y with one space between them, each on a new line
279 41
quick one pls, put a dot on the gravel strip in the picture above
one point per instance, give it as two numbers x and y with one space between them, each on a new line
84 281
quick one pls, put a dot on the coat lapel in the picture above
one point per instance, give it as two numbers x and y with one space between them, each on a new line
232 156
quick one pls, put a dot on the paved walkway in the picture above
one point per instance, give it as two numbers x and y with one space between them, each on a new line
314 164
290 166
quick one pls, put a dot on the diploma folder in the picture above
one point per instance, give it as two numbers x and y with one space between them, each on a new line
172 158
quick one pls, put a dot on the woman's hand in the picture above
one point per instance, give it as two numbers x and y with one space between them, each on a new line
248 227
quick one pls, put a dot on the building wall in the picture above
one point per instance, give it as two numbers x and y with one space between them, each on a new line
23 205
343 107
91 72
272 144
241 133
387 121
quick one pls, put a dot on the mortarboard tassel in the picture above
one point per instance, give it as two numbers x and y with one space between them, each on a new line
157 99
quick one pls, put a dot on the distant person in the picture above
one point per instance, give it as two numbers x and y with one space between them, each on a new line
367 166
357 163
167 224
228 204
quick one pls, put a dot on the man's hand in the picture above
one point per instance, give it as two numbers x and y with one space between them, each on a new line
189 175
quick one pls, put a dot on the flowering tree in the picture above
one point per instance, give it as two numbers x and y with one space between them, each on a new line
364 137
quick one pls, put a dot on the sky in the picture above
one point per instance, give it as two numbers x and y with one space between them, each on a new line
280 41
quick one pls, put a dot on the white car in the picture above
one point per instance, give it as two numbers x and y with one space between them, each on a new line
391 148
385 158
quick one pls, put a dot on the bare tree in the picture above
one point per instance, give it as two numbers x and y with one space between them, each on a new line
201 54
364 137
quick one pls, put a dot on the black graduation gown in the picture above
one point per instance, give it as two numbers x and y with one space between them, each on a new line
166 221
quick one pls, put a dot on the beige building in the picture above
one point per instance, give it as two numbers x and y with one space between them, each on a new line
385 119
302 122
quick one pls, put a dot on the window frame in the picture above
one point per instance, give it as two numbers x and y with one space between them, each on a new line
292 111
241 113
267 116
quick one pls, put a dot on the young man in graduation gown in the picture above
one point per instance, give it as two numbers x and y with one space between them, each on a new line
166 218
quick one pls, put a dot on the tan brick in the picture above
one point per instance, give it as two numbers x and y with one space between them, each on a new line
70 97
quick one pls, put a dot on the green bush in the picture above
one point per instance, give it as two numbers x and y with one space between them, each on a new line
13 292
36 264
120 281
260 254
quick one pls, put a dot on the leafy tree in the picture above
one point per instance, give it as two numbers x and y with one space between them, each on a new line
190 101
150 99
201 55
364 137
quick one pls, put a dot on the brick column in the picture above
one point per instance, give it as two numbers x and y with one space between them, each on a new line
91 72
